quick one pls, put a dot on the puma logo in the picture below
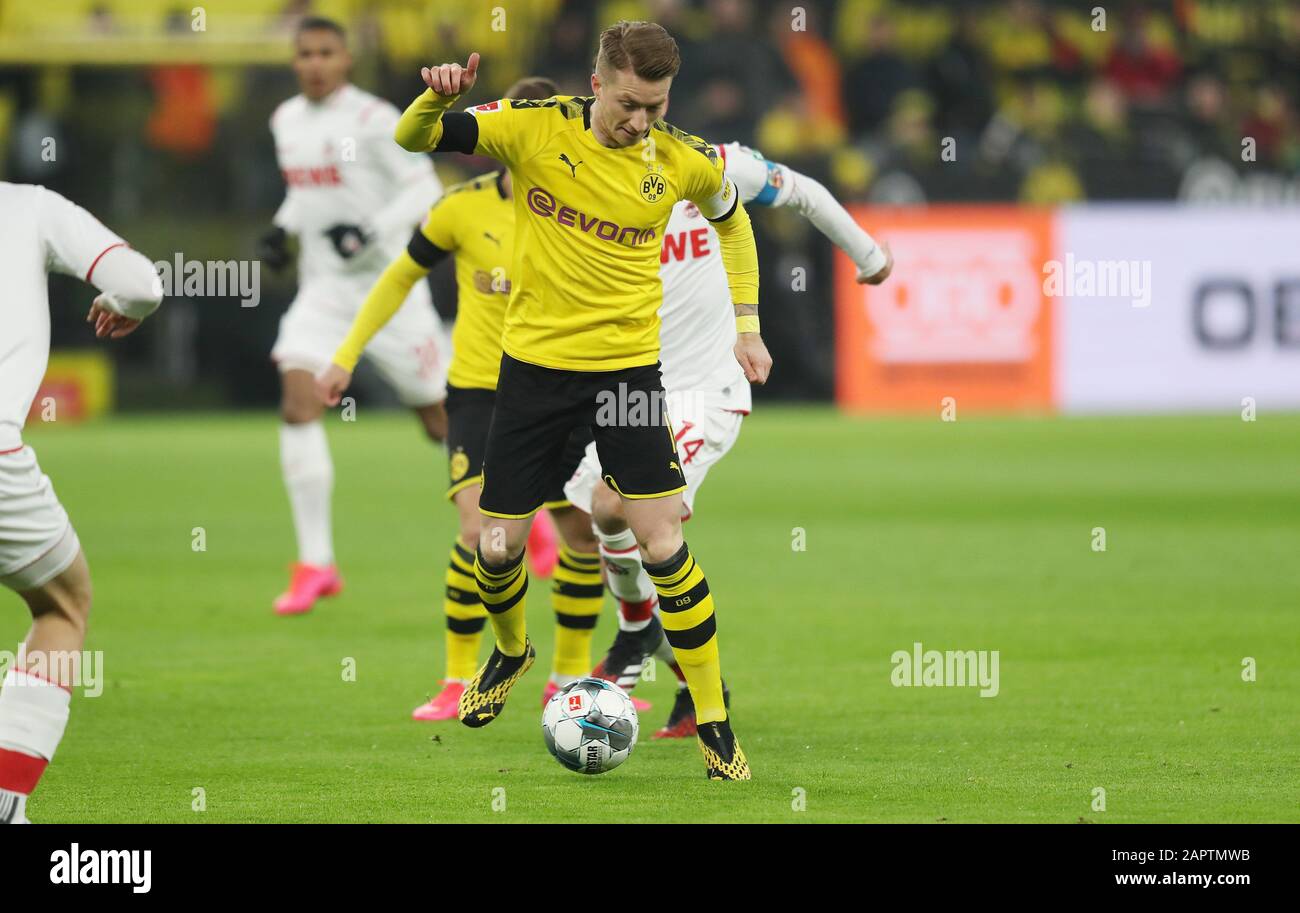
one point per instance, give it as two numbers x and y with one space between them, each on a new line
672 464
564 157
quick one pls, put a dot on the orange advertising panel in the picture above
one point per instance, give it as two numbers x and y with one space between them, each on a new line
963 315
78 385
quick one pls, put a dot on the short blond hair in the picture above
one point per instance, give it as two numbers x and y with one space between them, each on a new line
645 48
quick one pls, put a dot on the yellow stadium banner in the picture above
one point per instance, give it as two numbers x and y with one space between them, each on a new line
78 385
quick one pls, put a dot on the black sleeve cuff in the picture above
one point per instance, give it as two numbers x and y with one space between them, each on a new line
459 133
425 252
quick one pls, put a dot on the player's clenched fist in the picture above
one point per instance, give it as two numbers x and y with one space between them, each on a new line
881 274
452 78
331 383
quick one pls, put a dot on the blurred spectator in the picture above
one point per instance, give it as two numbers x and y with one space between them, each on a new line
873 82
568 53
1145 71
1017 36
184 119
729 77
1103 132
1205 122
1271 124
960 79
814 97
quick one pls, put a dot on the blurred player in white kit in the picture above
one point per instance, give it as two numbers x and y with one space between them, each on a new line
40 556
353 198
707 393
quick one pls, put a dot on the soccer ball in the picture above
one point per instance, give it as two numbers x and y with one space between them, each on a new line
590 726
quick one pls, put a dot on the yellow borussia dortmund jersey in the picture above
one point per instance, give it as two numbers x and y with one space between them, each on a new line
589 222
476 221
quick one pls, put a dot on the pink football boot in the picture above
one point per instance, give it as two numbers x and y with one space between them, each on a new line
308 584
442 707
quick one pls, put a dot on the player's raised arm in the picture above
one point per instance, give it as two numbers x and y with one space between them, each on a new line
763 182
426 126
818 205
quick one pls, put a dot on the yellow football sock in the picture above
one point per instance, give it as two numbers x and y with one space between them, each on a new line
577 593
502 590
465 615
686 610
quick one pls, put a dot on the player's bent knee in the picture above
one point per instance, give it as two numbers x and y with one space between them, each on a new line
574 525
299 404
469 534
294 412
607 511
497 545
661 540
67 596
584 542
660 549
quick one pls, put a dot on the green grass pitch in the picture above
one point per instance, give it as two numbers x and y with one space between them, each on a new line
1119 669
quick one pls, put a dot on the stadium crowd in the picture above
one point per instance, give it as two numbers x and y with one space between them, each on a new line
1041 101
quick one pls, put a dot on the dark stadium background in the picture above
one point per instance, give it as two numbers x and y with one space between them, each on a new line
164 135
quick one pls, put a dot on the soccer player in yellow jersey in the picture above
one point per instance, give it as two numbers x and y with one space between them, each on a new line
595 179
475 222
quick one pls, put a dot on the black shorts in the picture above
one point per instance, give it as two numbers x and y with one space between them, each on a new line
469 416
536 413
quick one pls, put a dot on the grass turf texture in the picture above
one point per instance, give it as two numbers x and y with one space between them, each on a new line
1119 670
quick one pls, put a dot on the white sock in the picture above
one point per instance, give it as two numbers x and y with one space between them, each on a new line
309 477
624 574
33 716
562 680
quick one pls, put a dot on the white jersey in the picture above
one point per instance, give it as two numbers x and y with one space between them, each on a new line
342 167
42 232
697 323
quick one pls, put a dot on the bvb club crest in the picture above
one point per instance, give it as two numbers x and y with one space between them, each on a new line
459 465
652 184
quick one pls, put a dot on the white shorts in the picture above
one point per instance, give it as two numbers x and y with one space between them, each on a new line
37 542
704 431
412 351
